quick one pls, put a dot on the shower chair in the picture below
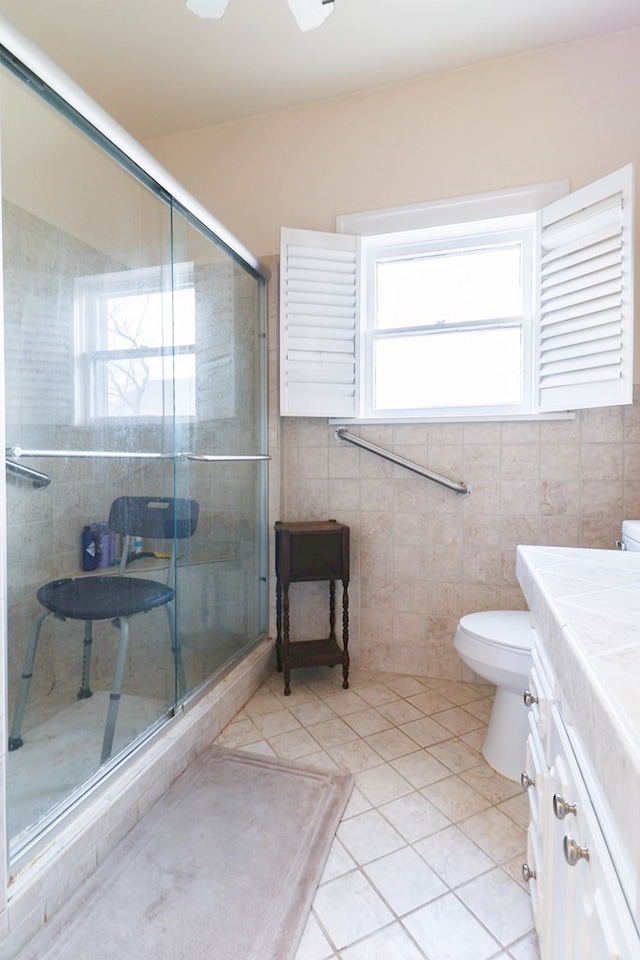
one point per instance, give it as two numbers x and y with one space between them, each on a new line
113 597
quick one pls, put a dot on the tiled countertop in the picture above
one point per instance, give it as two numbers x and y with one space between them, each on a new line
586 608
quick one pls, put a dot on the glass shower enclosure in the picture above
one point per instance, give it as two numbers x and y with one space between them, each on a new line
134 368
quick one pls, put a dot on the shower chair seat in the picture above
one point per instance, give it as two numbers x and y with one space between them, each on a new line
114 598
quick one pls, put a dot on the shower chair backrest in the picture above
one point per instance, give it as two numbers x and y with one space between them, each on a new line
158 518
162 518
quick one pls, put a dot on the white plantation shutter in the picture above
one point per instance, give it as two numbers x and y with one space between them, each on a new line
318 324
585 334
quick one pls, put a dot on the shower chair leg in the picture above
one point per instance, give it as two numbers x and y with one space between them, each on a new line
176 650
85 690
116 690
15 738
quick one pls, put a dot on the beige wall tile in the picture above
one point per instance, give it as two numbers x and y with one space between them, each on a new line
421 556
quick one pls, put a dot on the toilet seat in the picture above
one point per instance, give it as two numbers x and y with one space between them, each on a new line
504 629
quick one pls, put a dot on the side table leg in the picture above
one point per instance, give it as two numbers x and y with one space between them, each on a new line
286 662
279 625
345 636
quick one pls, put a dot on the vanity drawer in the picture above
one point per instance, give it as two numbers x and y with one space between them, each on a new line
593 919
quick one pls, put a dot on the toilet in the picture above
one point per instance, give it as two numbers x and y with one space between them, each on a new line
496 644
630 536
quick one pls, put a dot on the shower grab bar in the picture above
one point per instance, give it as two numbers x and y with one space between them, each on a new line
458 486
38 479
133 455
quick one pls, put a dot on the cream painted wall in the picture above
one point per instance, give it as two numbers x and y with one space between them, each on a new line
422 557
569 112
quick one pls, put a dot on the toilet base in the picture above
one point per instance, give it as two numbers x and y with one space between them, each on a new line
504 746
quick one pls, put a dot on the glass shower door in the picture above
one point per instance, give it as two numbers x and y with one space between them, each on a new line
221 463
134 368
89 303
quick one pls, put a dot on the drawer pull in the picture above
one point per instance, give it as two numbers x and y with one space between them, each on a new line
529 699
527 873
573 851
526 781
561 808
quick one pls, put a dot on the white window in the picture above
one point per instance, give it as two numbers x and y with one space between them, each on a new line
515 315
135 344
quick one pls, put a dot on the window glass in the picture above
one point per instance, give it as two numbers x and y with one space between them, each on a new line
472 367
455 287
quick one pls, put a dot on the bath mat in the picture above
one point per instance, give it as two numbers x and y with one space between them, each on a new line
224 867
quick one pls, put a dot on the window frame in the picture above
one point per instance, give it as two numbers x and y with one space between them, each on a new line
480 234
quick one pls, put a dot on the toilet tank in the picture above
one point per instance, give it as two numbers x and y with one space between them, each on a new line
630 535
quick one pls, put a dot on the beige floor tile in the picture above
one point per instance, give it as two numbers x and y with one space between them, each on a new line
378 694
425 731
480 709
405 880
369 836
262 702
338 862
366 722
312 711
500 903
455 857
299 693
279 721
475 738
345 702
358 803
406 686
390 943
429 702
344 922
517 808
314 945
294 745
355 756
465 692
392 743
382 783
414 817
320 759
420 768
458 720
331 733
448 922
262 747
399 711
496 834
239 734
456 755
490 784
526 949
455 798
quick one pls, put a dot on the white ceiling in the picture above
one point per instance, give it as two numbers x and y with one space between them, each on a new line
160 70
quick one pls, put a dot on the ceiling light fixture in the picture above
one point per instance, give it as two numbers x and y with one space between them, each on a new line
308 13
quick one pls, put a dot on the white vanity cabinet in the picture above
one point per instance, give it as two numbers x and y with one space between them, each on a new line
579 904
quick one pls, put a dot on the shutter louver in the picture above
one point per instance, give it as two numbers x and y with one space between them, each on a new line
586 310
318 314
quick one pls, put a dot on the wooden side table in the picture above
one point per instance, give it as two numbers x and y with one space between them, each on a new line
315 550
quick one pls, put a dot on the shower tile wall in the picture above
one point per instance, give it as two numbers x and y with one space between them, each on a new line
421 556
44 526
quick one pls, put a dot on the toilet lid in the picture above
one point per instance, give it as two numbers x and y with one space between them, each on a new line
509 628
